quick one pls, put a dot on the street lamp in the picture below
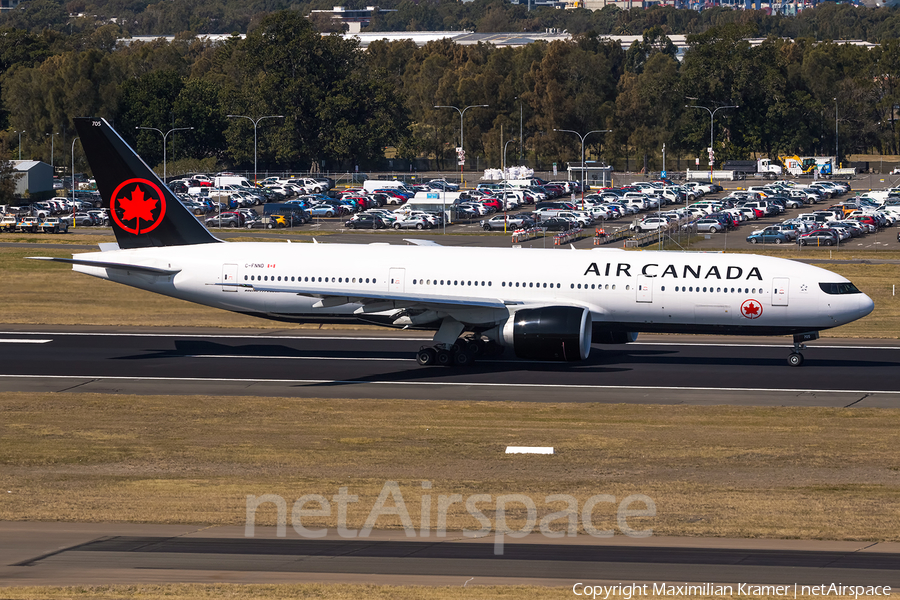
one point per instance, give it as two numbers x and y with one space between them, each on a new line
255 123
461 145
73 183
164 136
52 136
835 129
508 142
520 128
20 143
712 113
582 137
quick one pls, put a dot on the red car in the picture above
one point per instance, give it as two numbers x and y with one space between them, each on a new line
492 203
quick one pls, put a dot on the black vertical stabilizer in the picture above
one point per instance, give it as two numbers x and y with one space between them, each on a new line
143 211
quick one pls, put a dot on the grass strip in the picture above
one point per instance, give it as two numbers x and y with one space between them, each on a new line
809 473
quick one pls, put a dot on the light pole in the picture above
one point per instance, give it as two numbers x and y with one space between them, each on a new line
255 123
20 143
461 138
835 129
164 136
73 183
582 137
504 155
712 114
520 128
52 137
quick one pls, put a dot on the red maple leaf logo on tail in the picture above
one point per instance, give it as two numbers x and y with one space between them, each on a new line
137 207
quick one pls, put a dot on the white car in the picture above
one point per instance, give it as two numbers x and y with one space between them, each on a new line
650 224
412 222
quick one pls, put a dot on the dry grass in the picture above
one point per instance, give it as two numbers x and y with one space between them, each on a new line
314 591
40 292
811 473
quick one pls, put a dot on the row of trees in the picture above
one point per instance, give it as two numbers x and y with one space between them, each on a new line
343 107
143 17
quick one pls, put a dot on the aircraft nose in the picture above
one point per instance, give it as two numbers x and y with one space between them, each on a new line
866 305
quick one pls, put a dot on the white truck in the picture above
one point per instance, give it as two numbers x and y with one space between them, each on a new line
762 166
370 185
223 180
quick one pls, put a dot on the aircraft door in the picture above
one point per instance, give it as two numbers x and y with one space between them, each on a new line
644 288
780 287
397 280
229 275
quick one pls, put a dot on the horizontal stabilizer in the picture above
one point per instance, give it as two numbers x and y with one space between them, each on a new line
108 265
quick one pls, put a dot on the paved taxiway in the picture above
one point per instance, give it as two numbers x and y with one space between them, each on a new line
379 364
102 553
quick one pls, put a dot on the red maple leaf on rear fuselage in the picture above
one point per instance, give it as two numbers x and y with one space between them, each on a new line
137 207
751 309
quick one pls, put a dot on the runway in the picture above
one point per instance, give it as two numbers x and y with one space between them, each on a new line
379 364
91 554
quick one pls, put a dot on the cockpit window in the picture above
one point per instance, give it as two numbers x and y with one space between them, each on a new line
839 288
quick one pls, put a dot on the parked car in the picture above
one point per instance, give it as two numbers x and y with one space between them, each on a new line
54 225
556 224
226 219
819 237
768 236
508 222
267 222
364 221
29 224
8 223
711 225
412 222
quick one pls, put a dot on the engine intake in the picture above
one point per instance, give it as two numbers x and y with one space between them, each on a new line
550 333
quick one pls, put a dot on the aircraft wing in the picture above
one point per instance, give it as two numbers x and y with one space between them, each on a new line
366 296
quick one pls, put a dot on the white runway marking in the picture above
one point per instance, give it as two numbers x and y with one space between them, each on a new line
244 357
450 384
22 341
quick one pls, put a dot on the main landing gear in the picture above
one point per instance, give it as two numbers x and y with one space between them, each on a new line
463 353
795 359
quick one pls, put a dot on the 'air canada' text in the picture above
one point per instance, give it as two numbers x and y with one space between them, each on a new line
653 270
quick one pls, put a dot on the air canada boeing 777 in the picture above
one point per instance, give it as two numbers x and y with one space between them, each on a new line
542 304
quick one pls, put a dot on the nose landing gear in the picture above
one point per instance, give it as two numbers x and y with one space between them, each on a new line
795 359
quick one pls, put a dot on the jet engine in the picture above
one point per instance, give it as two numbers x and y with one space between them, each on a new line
549 333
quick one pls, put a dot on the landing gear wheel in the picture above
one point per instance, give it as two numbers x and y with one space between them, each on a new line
477 347
795 359
463 359
426 356
444 358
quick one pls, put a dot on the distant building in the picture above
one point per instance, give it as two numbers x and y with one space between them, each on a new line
8 4
36 178
354 19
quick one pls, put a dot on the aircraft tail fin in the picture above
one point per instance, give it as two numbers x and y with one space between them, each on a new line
143 211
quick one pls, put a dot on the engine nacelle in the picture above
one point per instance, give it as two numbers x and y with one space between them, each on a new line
549 333
606 336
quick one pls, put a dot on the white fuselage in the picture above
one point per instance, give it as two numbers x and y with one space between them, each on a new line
634 291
